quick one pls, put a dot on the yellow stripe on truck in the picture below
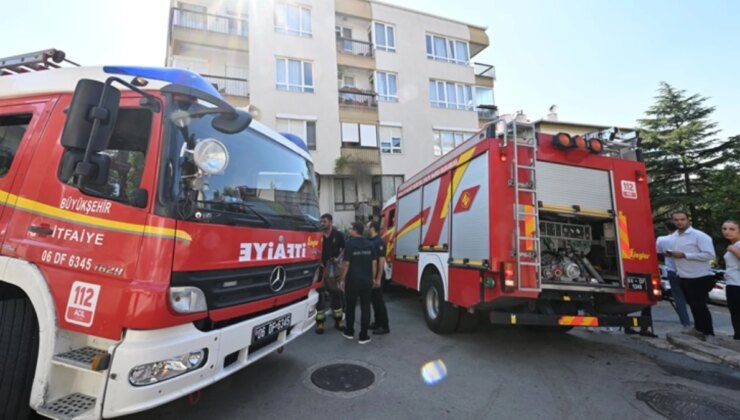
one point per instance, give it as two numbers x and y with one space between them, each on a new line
36 207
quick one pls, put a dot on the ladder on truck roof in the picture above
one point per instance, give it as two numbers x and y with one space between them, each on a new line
526 208
35 61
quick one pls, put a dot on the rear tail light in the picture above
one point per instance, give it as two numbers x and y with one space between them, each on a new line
655 291
508 272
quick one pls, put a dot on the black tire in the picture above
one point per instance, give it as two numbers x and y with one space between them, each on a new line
19 347
441 316
468 322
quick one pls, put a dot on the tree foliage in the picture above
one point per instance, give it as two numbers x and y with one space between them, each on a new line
689 167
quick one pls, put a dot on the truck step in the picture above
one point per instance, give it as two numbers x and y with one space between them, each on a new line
85 358
68 407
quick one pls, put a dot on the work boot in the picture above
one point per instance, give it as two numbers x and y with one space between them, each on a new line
319 328
339 324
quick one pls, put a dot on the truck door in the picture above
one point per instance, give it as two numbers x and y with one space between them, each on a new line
20 127
87 241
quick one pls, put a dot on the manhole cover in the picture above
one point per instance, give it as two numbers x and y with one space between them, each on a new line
343 377
684 405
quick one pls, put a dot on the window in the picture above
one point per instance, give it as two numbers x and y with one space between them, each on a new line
386 86
294 75
385 186
444 49
451 95
345 34
12 129
483 96
390 139
385 36
304 129
445 140
127 150
292 19
345 194
366 135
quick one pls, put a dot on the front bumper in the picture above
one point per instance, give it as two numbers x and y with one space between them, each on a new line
141 347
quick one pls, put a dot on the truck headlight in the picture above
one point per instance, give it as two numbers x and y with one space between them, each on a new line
211 156
186 300
152 373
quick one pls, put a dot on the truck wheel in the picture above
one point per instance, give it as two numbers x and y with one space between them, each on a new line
441 316
467 322
19 347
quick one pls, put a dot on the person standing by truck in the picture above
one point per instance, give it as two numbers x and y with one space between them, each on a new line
331 254
731 232
380 312
692 251
663 244
356 279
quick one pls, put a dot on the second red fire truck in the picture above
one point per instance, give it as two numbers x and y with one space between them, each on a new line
527 228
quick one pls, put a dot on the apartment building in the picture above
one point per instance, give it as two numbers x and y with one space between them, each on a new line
376 91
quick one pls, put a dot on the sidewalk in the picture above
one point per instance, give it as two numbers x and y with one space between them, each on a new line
720 348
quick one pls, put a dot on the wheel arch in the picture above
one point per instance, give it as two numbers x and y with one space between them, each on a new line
25 279
432 264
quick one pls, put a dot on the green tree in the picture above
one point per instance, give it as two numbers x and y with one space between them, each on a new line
684 157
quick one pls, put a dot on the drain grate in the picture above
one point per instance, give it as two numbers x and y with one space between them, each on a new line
684 405
68 407
343 377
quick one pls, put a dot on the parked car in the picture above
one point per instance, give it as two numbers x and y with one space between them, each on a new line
717 294
665 285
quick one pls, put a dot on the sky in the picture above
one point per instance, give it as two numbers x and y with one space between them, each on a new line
600 61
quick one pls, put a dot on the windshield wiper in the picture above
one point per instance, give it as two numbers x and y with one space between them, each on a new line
233 216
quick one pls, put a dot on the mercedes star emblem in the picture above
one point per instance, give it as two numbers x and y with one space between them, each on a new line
277 278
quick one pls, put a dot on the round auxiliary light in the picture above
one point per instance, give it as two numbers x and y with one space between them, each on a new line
211 156
580 142
562 140
595 145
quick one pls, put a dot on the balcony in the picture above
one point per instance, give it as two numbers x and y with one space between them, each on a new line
231 86
485 74
358 161
487 112
227 32
354 47
357 98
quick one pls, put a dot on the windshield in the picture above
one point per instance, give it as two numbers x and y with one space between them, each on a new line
264 184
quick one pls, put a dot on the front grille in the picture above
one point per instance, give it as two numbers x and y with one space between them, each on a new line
224 288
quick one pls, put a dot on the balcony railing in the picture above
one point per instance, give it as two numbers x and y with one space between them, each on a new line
354 47
207 22
357 98
485 70
233 86
487 112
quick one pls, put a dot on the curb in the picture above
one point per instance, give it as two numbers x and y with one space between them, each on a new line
705 348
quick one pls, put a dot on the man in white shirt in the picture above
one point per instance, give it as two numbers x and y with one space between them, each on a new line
665 243
692 252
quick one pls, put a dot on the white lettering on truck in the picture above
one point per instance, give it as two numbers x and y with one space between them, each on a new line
82 236
85 206
265 251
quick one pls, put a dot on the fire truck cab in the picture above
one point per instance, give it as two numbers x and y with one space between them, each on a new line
155 239
527 228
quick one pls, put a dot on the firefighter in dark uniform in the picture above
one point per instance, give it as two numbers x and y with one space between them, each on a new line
358 271
379 310
331 255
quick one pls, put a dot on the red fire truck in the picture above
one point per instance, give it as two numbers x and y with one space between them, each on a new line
527 228
155 240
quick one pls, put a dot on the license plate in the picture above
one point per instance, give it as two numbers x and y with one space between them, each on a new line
636 283
271 328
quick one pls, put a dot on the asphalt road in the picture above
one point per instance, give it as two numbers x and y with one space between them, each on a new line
497 373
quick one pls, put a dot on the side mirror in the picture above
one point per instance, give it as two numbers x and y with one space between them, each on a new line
232 123
92 101
99 167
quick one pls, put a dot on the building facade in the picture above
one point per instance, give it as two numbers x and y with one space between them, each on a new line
377 91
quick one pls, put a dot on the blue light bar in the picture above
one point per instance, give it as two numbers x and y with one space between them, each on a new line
167 74
296 140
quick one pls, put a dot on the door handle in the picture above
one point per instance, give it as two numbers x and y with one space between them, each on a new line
43 230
